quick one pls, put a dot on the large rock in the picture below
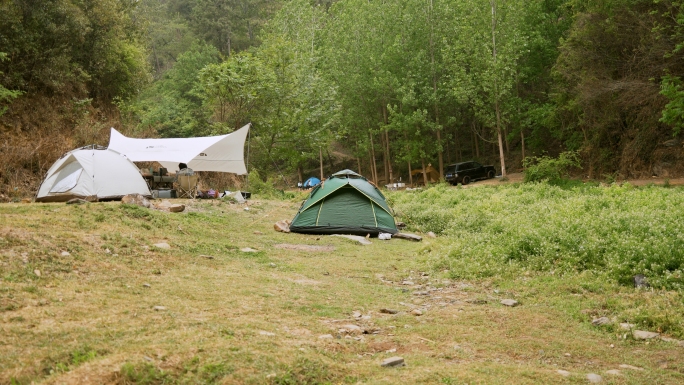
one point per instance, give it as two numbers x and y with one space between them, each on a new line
644 335
393 361
282 226
176 208
410 237
136 199
594 378
509 302
601 321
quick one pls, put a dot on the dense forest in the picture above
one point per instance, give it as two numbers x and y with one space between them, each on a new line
380 86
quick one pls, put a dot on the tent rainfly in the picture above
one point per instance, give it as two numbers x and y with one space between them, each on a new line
210 153
93 174
345 203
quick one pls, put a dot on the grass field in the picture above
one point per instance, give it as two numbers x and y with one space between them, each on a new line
79 286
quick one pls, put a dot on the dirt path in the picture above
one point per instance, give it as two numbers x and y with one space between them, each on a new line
518 178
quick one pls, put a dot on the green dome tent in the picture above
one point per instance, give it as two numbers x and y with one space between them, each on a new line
346 203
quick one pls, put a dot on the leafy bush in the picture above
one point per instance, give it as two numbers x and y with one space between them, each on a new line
266 189
545 168
618 231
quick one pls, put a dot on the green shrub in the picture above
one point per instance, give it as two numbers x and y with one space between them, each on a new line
617 232
545 168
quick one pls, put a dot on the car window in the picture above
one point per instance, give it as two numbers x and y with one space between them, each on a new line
475 165
451 168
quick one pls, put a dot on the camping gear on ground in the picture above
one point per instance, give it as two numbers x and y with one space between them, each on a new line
92 173
164 193
210 153
430 172
346 203
311 182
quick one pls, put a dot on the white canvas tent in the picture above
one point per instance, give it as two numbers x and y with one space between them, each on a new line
93 174
210 153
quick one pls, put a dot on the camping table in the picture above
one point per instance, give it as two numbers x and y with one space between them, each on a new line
159 182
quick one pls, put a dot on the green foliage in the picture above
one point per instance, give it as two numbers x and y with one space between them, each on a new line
6 96
73 46
304 372
144 374
548 169
616 232
673 113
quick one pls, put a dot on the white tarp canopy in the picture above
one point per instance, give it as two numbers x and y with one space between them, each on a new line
224 153
92 174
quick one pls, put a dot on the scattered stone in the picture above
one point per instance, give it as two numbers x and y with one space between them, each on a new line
159 308
258 233
410 237
65 254
107 251
601 321
567 355
357 238
304 247
326 337
265 333
594 378
401 225
177 208
248 250
614 372
563 373
644 335
281 226
356 314
416 312
135 199
206 256
393 362
161 245
672 340
393 350
37 272
76 201
272 264
147 358
147 285
430 234
247 209
509 302
421 293
407 282
625 366
477 301
350 329
626 326
640 281
389 311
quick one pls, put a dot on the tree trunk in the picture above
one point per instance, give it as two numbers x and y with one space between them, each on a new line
425 180
373 165
410 175
522 140
320 158
389 158
300 173
358 163
496 92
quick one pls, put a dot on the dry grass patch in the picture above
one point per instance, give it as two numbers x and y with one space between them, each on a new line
255 318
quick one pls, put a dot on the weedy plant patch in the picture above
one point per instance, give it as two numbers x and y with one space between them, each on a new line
116 294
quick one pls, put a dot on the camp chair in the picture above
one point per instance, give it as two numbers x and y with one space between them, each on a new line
187 186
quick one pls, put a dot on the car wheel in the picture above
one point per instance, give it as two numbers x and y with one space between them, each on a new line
465 180
490 174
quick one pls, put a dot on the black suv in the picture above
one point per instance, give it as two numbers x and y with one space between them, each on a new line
466 172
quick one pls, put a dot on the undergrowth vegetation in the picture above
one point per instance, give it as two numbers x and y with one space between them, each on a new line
616 232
